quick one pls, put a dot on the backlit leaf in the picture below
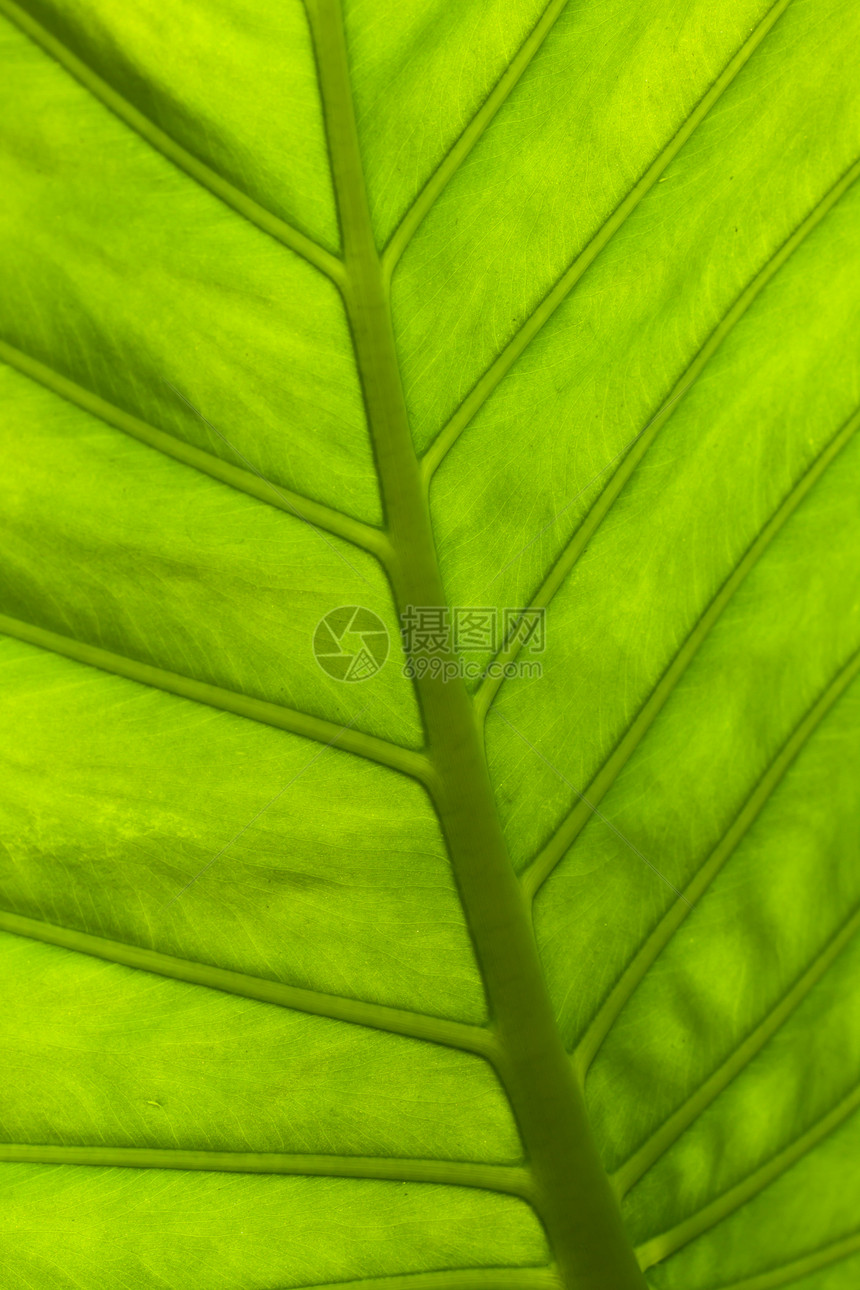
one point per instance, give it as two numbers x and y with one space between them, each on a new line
322 964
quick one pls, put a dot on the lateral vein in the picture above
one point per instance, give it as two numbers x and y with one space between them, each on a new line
571 827
473 132
808 1263
395 757
659 1143
508 1179
158 139
375 1016
633 454
456 1279
502 364
660 1247
659 938
317 514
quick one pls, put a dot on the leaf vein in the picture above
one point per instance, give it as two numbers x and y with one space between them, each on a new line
637 448
507 1179
660 1247
316 255
567 833
659 1143
788 1272
502 364
375 1016
536 1075
316 514
472 134
394 756
458 1279
659 938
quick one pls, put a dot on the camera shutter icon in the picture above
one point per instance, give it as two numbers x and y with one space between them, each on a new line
351 643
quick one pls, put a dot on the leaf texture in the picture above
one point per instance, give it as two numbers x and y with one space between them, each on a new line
538 983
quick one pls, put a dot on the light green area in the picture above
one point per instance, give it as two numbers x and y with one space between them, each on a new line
250 69
236 582
506 230
646 800
333 874
421 73
151 1228
153 1062
180 292
274 1013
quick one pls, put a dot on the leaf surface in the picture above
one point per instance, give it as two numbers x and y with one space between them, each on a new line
515 984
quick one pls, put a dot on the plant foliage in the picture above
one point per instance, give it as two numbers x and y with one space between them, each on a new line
430 983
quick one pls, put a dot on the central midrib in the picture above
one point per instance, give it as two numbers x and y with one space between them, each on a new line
574 1199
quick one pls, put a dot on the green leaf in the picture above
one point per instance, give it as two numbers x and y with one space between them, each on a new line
541 976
